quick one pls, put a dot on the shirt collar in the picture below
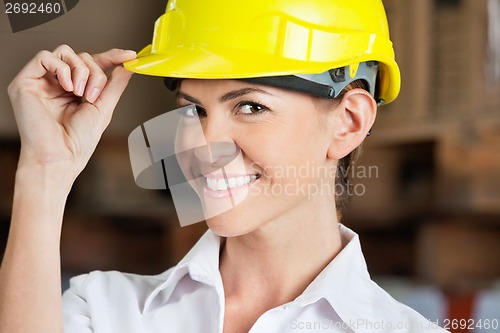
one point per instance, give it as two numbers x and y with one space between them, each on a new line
201 263
344 283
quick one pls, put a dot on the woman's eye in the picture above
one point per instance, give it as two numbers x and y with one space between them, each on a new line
251 108
193 111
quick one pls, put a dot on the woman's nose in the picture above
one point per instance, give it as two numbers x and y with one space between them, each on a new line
220 148
216 155
216 127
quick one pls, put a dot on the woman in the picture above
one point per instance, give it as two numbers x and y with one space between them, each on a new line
245 74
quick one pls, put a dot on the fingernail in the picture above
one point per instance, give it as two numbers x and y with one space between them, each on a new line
80 88
94 93
130 52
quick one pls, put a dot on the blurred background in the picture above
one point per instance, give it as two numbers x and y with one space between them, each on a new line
427 189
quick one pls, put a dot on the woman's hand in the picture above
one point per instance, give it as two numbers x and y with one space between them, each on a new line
63 102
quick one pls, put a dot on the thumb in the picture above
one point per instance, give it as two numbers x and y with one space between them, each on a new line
113 58
110 95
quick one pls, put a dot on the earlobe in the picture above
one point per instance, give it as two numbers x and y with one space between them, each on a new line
356 114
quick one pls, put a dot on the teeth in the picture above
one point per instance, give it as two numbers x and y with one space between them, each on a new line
222 185
240 181
212 183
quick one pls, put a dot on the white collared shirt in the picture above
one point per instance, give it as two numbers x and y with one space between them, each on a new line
189 298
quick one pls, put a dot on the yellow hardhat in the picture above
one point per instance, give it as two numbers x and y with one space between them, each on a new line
220 39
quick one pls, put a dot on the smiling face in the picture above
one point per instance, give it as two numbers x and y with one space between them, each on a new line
281 139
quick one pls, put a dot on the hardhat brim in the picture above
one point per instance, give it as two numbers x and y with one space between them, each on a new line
202 62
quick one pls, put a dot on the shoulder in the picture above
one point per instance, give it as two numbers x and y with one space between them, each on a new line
99 285
108 301
109 288
111 277
391 315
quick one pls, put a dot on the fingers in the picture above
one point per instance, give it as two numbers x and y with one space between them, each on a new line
98 64
45 62
113 58
112 92
79 70
96 79
81 74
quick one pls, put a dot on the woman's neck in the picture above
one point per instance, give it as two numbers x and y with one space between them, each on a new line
274 264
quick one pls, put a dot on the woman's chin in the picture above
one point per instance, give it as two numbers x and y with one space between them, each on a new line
226 225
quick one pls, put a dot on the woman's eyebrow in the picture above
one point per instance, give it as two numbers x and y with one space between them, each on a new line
187 97
241 92
224 98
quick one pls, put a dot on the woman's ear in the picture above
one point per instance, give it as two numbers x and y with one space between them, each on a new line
355 116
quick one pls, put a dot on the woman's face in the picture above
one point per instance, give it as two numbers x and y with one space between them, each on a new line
283 138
